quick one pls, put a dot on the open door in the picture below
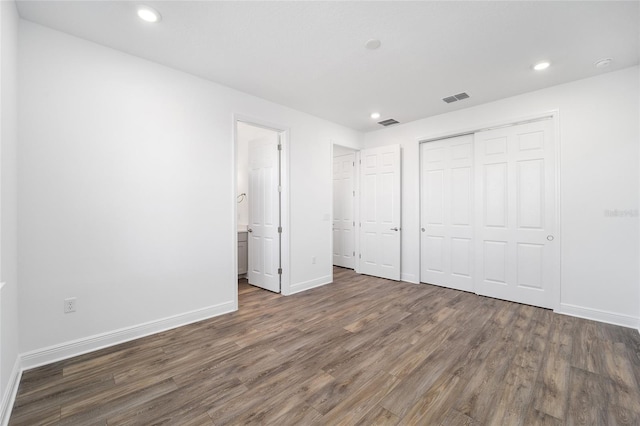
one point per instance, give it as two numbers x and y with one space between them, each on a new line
380 212
343 220
264 269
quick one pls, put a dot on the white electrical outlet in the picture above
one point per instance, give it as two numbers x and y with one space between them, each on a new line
69 305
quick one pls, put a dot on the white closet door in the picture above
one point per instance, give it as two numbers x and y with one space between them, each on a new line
264 210
446 244
380 212
343 225
517 254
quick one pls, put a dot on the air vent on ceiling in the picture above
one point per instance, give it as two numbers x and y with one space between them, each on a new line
388 122
454 98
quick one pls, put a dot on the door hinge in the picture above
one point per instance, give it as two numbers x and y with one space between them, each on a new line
360 161
360 256
279 147
354 224
279 188
354 164
280 229
279 271
354 193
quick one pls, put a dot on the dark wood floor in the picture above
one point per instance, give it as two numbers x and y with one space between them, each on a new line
359 351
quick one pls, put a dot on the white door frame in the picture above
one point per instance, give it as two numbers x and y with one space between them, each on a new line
356 204
555 117
284 132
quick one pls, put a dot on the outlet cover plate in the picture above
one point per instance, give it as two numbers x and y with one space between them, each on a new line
69 305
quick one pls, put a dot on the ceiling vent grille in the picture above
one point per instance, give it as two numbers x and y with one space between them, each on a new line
388 122
454 98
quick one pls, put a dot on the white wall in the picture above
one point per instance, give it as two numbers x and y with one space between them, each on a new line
126 193
599 171
8 202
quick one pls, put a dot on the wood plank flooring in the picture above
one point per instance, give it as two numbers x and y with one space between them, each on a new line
360 351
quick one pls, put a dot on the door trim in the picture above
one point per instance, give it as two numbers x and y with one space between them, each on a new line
553 115
284 133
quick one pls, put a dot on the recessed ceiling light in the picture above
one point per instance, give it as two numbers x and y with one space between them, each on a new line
372 44
148 14
375 115
541 66
603 63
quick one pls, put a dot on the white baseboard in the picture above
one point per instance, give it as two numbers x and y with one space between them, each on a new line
77 347
410 278
308 285
598 315
9 396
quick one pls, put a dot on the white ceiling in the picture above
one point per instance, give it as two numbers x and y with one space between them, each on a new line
311 56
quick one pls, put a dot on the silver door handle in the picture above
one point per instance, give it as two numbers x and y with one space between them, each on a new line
549 237
249 230
394 229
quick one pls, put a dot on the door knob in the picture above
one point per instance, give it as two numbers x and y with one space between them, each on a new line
549 237
249 230
394 229
423 229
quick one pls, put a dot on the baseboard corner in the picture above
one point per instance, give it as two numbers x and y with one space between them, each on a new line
599 315
308 285
9 396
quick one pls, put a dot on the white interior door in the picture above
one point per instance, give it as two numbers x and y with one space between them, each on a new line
517 255
264 213
380 212
446 237
343 224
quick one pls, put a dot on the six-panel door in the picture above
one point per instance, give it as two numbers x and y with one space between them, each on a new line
488 213
516 249
264 208
380 212
446 234
343 222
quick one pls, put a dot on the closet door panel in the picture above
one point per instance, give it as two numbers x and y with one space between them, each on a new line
517 250
447 213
